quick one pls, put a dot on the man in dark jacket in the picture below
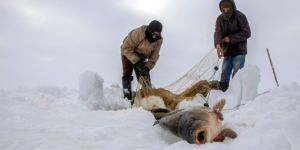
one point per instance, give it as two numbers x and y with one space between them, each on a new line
230 38
140 52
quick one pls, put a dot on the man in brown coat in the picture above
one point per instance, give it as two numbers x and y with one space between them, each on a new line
140 52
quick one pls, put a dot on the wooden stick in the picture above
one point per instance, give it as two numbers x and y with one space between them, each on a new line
274 73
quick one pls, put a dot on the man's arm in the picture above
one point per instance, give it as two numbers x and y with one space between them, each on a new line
245 32
218 38
128 46
154 56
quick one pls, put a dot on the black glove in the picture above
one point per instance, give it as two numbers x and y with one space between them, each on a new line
144 71
141 68
139 65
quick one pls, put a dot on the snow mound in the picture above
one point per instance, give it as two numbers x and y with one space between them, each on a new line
242 88
92 94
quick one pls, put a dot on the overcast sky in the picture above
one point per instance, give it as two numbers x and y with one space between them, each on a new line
51 42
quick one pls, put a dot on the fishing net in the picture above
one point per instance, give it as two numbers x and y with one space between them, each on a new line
203 70
198 80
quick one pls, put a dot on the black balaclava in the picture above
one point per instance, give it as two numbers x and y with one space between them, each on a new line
154 26
230 6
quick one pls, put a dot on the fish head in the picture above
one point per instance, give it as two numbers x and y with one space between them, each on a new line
199 126
192 127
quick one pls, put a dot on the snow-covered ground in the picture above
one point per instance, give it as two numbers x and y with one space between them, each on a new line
59 118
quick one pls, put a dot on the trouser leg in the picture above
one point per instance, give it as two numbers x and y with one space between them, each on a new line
226 73
238 63
127 77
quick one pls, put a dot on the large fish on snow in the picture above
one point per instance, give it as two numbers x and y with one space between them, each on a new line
198 124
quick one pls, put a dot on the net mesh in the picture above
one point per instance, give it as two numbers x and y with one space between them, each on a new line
196 81
203 70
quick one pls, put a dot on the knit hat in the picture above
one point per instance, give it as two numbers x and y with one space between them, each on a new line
154 26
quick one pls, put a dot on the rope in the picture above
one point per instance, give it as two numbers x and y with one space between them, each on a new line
145 84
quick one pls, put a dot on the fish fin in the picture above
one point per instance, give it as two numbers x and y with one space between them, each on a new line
156 122
219 105
164 110
227 132
159 113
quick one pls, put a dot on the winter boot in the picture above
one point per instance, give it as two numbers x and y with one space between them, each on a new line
214 85
224 85
127 88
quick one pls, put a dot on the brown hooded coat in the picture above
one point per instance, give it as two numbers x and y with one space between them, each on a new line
136 47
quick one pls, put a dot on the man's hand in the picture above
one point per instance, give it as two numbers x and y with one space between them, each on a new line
141 68
226 39
144 71
220 51
139 65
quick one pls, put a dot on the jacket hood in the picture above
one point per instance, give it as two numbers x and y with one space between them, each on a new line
230 1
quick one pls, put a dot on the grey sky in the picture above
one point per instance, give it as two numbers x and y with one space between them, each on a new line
51 42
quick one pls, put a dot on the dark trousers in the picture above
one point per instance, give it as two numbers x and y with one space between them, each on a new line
128 69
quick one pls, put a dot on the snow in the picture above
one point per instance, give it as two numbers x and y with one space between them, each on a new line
49 117
92 94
